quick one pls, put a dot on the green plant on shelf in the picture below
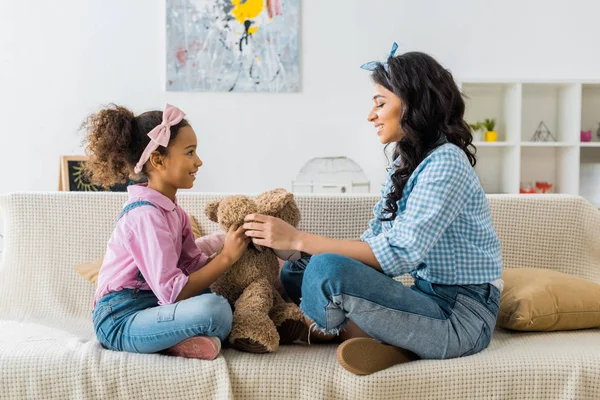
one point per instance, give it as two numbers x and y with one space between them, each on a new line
489 124
486 125
477 126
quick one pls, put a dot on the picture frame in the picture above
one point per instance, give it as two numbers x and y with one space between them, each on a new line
72 179
233 47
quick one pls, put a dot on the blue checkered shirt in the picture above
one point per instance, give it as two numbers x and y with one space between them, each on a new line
443 231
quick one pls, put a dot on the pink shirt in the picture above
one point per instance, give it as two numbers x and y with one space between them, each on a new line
156 241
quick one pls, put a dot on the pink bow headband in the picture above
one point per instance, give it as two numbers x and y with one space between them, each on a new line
161 134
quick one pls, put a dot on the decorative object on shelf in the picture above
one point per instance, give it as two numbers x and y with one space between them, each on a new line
487 126
490 134
331 175
538 187
476 128
71 177
233 45
527 189
586 136
598 130
543 186
542 134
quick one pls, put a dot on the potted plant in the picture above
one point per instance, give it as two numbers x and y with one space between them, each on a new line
476 128
490 134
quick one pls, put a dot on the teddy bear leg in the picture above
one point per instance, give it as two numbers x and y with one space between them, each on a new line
288 319
252 330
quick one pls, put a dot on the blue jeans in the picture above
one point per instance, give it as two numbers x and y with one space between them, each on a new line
433 321
131 320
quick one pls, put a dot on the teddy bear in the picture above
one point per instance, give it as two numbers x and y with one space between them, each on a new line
262 320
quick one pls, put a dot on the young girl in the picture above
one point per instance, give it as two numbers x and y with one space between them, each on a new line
432 221
152 293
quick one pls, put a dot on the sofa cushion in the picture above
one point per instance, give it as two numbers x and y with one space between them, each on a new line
536 299
64 361
89 271
48 350
195 228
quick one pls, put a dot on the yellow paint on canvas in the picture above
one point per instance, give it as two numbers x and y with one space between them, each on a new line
251 31
250 9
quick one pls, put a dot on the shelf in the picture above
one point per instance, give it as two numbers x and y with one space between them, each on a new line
493 144
498 169
590 108
566 107
557 105
547 144
556 165
590 154
498 101
589 174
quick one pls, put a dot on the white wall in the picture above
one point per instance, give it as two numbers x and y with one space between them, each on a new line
61 60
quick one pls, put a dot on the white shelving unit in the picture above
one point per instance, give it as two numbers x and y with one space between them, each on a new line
566 108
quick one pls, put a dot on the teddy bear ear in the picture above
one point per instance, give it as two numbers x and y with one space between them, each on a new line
211 210
273 201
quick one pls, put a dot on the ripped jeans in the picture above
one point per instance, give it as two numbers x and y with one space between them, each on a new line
431 320
131 320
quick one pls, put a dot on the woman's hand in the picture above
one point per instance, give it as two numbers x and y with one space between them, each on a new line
279 235
271 232
235 243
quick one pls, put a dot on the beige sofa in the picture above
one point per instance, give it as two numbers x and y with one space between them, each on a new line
48 349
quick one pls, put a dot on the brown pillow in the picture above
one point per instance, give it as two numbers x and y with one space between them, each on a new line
89 271
536 299
195 227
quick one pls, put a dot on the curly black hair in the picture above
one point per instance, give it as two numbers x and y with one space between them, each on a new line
432 107
115 140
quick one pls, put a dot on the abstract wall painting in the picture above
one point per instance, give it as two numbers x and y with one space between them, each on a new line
233 45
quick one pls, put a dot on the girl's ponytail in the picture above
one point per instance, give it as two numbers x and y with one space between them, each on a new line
109 144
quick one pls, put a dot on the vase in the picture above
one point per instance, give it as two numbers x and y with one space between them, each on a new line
491 136
586 136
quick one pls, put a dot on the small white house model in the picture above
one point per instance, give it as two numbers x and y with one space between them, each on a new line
331 175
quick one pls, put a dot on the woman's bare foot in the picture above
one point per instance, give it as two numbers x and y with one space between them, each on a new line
352 331
317 335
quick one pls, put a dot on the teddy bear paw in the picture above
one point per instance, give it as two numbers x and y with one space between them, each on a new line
292 330
249 346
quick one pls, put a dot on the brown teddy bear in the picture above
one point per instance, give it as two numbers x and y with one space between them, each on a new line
262 320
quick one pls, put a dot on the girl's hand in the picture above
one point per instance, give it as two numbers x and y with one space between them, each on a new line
235 243
271 232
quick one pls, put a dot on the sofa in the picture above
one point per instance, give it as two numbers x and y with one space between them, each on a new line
48 349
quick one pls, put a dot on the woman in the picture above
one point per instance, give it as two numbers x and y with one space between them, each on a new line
432 221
